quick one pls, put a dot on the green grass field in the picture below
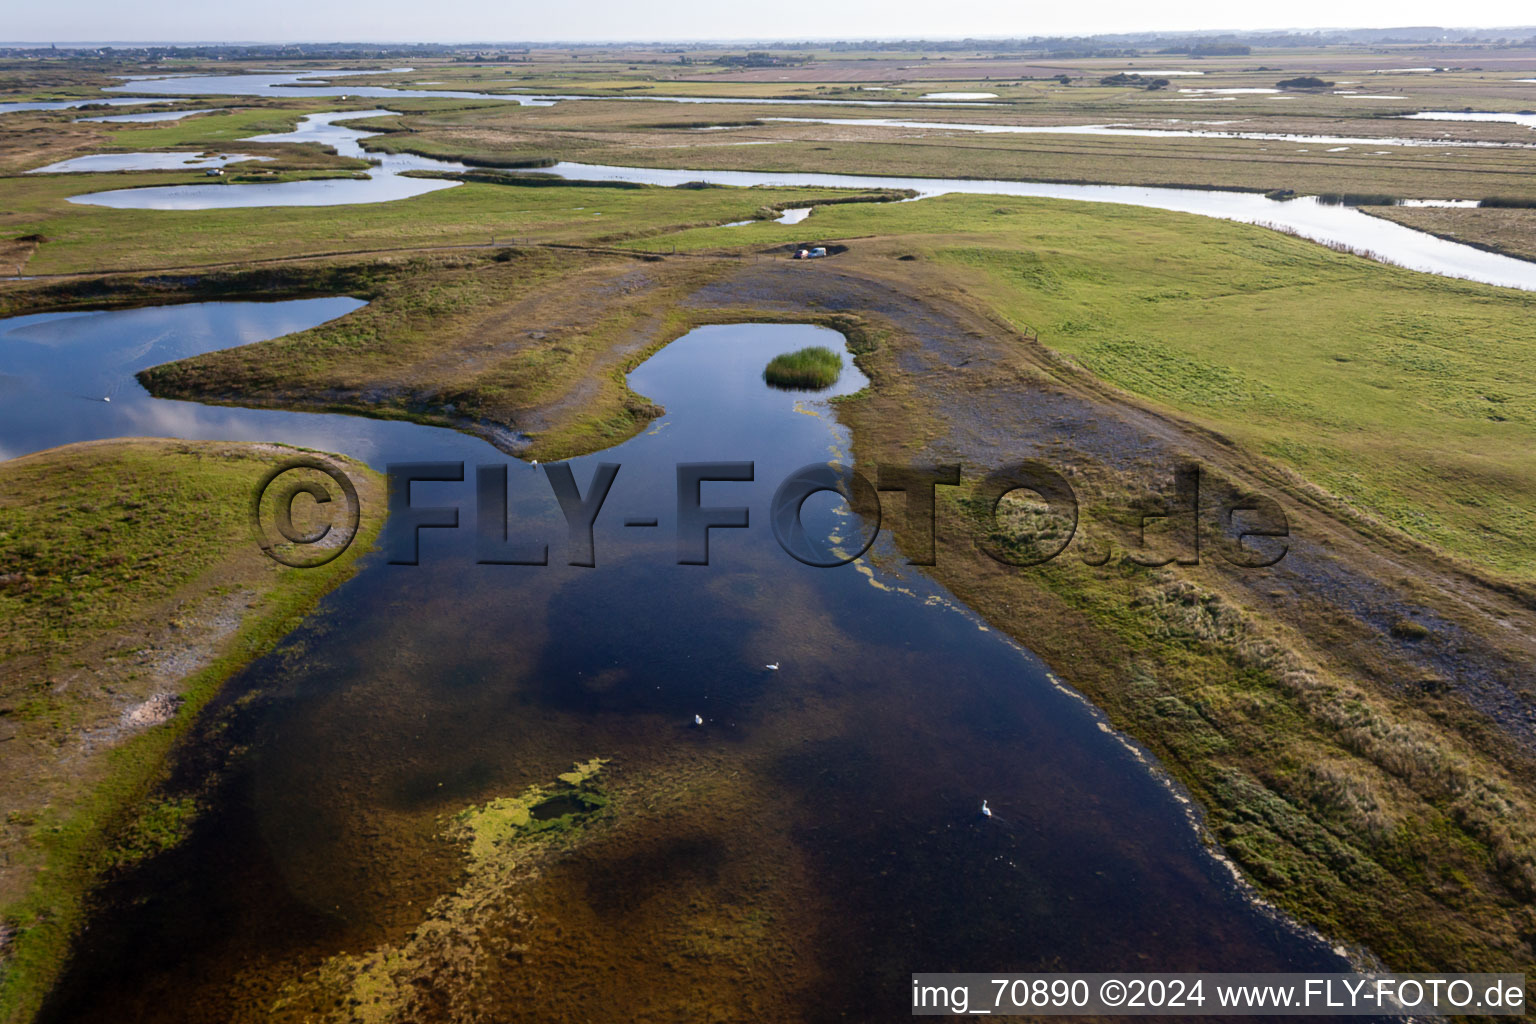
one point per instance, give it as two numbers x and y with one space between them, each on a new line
1411 396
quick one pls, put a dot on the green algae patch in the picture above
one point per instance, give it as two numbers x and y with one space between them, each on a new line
441 962
580 773
489 829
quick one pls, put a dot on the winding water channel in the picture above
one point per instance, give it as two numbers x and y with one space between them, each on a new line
1339 226
837 797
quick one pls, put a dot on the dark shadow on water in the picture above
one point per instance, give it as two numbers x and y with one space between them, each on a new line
841 791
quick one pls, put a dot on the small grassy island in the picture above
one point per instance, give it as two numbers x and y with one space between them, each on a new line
809 369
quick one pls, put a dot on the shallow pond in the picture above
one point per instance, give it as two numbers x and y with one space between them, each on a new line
821 824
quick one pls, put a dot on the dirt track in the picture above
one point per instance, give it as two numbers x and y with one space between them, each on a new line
996 397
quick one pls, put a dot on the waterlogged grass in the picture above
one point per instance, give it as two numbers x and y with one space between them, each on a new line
809 369
110 548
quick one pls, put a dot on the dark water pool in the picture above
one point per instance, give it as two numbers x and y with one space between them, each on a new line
796 856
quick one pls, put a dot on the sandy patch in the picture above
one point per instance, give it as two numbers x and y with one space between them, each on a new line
157 710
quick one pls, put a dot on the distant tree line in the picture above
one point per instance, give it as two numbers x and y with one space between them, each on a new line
758 59
768 54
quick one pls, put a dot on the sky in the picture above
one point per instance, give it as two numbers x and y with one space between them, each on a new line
654 20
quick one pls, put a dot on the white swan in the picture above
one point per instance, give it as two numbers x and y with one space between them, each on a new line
698 720
772 668
985 809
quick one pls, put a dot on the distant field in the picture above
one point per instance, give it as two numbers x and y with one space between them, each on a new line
661 135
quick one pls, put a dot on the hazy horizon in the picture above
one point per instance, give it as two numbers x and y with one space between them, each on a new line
100 23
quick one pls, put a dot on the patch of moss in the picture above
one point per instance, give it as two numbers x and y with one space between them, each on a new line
161 824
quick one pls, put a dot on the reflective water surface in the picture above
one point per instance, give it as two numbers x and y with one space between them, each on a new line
1305 216
821 825
101 162
383 184
1527 119
1155 133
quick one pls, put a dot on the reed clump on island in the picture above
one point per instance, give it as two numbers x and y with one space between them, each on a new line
809 369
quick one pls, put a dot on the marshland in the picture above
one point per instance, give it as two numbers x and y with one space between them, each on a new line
240 790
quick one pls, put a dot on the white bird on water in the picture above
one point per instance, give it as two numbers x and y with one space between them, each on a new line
985 810
772 668
698 720
107 398
535 463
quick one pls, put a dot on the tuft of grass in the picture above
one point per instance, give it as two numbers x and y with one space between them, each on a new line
809 369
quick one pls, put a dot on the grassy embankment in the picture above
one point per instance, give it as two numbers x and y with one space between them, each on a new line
1356 791
539 341
132 588
1407 395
